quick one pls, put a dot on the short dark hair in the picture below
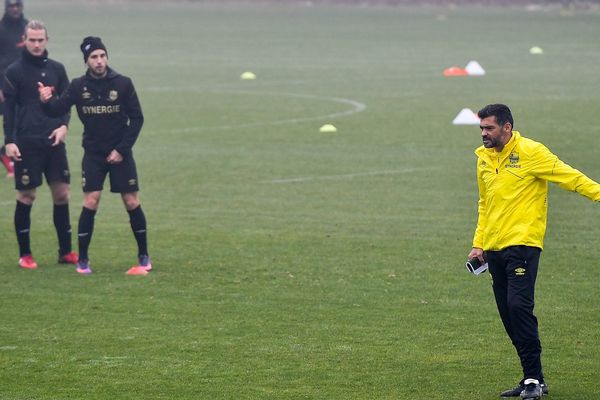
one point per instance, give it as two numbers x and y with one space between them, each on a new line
500 111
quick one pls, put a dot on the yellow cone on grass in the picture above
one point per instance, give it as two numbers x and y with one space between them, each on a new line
536 50
248 76
327 128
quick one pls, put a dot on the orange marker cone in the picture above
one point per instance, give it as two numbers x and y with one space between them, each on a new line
455 71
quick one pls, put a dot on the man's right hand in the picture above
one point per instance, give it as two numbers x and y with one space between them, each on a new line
45 92
476 252
12 151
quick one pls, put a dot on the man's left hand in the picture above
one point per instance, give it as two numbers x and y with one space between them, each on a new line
114 157
58 135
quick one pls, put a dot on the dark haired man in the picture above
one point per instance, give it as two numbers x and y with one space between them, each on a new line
35 142
513 174
112 118
12 28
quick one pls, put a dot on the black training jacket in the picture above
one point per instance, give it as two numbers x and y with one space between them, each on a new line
24 118
108 108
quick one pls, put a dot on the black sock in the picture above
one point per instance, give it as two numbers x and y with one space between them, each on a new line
137 219
85 230
22 227
62 223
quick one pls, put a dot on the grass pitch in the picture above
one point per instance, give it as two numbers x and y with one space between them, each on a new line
292 264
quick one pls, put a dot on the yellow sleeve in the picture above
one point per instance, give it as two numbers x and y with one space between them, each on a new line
549 167
481 211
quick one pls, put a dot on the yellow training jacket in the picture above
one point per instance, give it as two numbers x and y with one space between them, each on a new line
513 192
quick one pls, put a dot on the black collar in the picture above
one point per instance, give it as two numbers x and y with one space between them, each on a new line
37 61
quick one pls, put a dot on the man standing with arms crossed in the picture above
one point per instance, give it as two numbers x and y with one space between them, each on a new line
513 174
36 142
112 118
12 27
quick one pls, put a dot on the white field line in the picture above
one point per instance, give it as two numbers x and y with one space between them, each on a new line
355 107
343 176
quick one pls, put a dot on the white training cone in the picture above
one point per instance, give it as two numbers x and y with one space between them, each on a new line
474 68
466 116
327 128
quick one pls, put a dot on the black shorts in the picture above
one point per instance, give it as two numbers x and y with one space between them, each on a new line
41 159
123 176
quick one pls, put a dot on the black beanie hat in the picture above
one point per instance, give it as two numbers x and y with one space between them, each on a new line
90 44
8 3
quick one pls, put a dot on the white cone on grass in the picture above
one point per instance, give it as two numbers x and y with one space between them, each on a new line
474 68
466 116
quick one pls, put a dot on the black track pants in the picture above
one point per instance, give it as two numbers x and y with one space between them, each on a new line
514 271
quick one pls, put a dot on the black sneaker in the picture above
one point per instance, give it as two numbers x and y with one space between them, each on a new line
532 391
516 391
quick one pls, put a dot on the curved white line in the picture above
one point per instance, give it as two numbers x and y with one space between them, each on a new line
356 107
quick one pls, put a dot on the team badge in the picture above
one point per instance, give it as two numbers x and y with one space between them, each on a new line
25 180
113 95
513 157
86 95
132 182
520 271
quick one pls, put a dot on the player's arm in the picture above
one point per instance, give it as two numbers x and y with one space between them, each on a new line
10 139
133 109
549 167
52 104
9 119
59 135
477 246
61 88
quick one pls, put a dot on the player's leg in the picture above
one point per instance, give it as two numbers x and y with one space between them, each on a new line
93 169
85 229
124 180
521 270
59 177
22 220
62 222
137 220
497 268
28 176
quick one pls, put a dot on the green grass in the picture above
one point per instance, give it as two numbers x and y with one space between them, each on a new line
292 264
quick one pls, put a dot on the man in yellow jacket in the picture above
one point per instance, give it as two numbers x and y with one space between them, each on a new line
513 174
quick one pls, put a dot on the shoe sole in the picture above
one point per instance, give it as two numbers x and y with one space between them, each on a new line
84 271
33 265
533 397
510 396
